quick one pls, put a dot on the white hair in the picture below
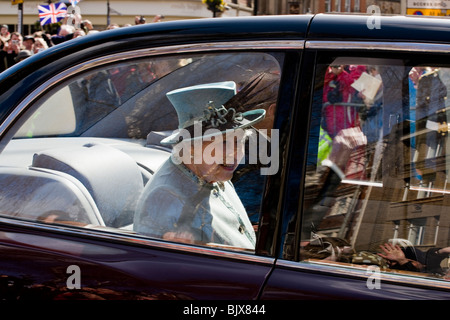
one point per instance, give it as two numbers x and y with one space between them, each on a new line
66 29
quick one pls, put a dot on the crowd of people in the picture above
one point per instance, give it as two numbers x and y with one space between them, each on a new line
14 47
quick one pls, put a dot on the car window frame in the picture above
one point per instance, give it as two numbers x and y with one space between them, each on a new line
114 235
313 50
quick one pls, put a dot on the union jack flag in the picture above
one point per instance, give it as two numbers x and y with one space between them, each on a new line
52 13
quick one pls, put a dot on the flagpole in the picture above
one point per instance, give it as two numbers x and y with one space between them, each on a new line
20 18
108 18
49 2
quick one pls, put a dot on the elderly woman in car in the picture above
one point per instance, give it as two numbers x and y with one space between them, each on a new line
190 198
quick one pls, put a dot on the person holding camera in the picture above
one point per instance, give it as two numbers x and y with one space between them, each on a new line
12 48
139 20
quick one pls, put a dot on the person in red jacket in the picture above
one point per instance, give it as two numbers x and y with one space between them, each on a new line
337 94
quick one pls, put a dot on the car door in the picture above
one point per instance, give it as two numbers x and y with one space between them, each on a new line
372 177
82 141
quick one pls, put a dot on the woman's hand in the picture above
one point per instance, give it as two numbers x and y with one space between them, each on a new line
393 253
181 236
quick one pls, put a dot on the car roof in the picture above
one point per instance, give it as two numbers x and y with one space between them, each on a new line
388 28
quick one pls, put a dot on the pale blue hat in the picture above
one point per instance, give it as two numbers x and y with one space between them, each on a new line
206 104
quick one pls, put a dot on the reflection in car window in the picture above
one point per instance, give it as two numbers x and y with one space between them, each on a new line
97 143
377 174
97 94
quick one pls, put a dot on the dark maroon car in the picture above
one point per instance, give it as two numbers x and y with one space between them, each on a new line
347 193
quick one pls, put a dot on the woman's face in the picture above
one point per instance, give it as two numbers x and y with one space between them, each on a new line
38 46
219 158
337 69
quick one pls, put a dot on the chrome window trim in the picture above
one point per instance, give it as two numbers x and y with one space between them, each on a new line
362 274
135 240
148 52
117 57
355 271
383 45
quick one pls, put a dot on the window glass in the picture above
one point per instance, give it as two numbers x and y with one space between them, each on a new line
174 147
377 173
47 120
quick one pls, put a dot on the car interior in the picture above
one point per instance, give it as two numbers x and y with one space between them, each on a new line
101 131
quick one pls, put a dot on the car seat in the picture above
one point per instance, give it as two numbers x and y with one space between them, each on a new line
111 176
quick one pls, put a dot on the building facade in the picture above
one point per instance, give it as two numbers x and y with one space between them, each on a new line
121 12
323 6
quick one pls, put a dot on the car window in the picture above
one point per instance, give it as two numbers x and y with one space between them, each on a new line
47 121
93 150
376 183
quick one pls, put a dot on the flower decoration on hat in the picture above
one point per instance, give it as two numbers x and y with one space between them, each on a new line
216 106
220 116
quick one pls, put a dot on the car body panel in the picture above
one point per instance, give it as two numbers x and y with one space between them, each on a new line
115 269
327 282
358 28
